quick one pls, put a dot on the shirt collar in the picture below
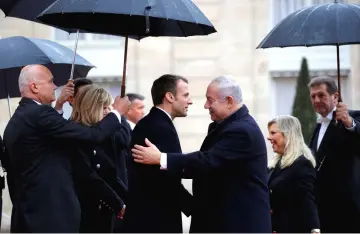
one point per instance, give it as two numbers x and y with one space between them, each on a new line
37 102
164 112
327 118
132 125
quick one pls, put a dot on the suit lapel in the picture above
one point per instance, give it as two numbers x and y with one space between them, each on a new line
327 137
160 115
271 171
314 139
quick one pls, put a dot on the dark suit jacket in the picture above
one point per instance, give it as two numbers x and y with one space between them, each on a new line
338 176
122 141
230 183
2 179
37 140
101 193
156 196
292 198
3 163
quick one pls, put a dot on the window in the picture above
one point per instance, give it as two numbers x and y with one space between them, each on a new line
283 8
60 35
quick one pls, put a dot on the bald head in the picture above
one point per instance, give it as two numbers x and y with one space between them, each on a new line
36 82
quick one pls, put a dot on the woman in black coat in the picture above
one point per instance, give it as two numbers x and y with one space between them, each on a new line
101 194
291 179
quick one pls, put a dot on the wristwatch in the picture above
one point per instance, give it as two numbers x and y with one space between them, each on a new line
315 230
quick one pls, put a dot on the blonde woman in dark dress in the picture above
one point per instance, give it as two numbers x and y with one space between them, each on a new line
292 178
101 195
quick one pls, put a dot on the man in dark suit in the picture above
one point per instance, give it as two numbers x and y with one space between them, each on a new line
36 141
157 197
335 144
2 175
229 172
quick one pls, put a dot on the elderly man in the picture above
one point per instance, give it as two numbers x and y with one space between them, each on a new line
335 144
230 170
39 171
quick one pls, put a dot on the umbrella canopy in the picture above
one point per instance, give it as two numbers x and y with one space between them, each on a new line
142 18
21 51
30 10
176 18
27 10
327 24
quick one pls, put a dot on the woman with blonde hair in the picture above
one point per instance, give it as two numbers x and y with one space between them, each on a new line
101 194
291 179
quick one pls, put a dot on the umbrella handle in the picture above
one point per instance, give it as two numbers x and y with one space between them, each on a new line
71 98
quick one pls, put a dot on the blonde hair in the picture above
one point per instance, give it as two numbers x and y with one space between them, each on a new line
295 145
89 104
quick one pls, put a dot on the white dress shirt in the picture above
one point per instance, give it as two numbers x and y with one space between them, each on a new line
132 125
324 121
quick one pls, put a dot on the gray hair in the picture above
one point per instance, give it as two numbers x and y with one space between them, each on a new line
328 81
135 96
26 77
228 86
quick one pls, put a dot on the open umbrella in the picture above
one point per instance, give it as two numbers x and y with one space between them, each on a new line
27 10
30 10
327 24
21 51
175 18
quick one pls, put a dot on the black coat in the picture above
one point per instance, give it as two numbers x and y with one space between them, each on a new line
338 176
230 178
292 198
123 140
101 194
156 196
37 141
2 178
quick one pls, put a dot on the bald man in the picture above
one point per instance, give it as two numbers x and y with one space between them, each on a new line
37 141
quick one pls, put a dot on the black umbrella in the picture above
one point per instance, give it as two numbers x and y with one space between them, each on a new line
175 18
27 10
18 52
30 9
327 24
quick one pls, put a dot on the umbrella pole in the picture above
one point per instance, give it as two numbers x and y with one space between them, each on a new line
123 83
70 99
73 63
338 71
